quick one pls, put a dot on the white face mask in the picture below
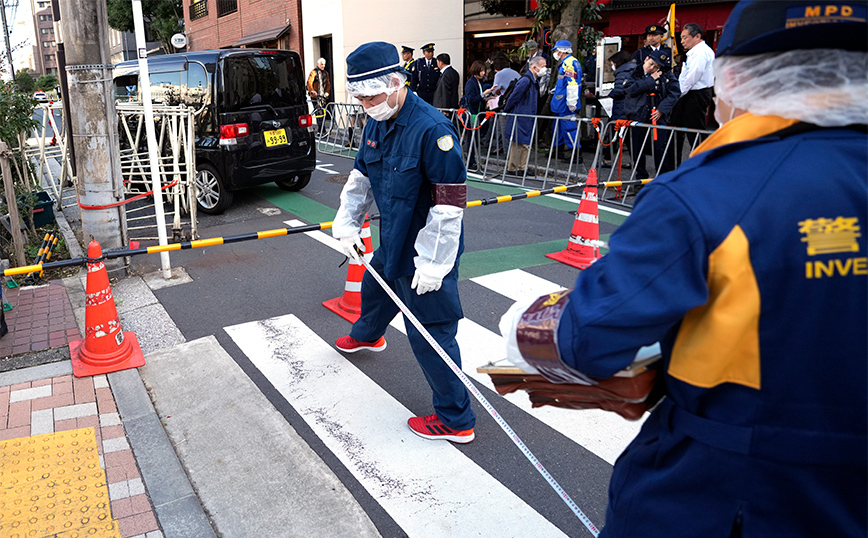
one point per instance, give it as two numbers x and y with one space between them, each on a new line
542 72
383 111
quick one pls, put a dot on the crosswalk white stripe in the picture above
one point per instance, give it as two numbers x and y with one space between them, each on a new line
428 488
323 238
602 432
516 284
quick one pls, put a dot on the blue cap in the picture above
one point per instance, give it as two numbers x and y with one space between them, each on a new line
372 60
661 57
563 44
757 27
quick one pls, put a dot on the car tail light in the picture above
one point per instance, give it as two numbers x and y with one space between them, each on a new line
236 130
305 121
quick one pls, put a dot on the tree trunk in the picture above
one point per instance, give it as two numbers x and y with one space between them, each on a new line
571 21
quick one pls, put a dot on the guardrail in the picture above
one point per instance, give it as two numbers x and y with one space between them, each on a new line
488 143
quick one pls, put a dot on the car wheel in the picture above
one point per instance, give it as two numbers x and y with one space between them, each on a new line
295 184
212 196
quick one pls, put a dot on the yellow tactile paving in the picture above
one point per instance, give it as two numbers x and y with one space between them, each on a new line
53 485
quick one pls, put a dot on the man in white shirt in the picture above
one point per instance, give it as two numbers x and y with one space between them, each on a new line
696 82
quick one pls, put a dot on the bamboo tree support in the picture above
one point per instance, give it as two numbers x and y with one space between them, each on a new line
12 205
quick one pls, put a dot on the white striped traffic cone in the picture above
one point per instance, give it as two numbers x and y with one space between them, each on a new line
349 305
583 248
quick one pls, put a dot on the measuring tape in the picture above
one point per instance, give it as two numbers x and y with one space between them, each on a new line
485 403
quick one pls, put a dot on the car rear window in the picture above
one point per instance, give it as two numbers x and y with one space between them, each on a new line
261 79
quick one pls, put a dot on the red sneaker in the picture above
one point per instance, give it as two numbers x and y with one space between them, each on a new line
348 344
431 427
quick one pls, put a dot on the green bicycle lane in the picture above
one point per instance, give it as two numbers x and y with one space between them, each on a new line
475 263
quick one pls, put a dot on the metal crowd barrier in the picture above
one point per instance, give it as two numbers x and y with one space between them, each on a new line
486 141
175 132
625 144
46 147
339 128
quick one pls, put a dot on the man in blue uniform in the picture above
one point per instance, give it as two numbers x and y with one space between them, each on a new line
651 98
748 264
566 101
427 74
410 66
410 165
653 37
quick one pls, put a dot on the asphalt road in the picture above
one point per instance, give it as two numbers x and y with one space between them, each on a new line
258 280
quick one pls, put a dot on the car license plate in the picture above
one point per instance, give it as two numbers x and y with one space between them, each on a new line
275 138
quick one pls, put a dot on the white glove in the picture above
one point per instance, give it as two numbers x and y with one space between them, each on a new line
508 325
349 245
423 283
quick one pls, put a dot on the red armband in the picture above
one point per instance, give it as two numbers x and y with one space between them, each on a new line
454 194
536 335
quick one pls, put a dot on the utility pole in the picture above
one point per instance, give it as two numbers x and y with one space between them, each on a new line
93 123
6 36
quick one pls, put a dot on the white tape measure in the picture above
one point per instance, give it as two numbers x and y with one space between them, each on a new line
485 403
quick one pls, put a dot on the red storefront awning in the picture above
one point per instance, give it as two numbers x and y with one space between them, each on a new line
634 22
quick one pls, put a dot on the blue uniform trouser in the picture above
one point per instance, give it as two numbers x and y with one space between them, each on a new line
438 311
566 133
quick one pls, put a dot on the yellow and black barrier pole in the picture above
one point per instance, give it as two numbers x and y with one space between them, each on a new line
215 241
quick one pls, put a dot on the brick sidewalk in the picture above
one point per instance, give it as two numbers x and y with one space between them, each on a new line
67 403
41 318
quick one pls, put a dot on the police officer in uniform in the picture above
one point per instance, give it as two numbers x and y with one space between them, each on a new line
409 65
566 100
653 35
754 285
428 74
410 165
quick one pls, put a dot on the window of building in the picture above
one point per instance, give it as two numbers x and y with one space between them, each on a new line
46 31
225 7
48 57
198 9
47 44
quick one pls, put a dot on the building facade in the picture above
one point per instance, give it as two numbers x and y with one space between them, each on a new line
122 45
220 24
334 28
45 49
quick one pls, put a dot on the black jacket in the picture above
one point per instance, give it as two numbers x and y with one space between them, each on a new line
446 94
639 100
623 80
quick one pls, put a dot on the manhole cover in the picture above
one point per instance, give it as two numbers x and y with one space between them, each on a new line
340 178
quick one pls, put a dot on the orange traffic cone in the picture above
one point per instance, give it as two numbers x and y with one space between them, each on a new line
349 305
105 348
583 248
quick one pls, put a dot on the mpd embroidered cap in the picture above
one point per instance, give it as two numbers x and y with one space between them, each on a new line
654 29
405 48
429 46
373 60
757 27
661 57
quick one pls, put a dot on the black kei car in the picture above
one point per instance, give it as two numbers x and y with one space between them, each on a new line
253 125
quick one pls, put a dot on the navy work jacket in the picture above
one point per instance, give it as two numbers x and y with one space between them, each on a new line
402 158
748 264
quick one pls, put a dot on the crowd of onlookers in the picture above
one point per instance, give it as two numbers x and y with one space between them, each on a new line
650 86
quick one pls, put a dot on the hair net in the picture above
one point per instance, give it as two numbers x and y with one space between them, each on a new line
825 87
388 83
